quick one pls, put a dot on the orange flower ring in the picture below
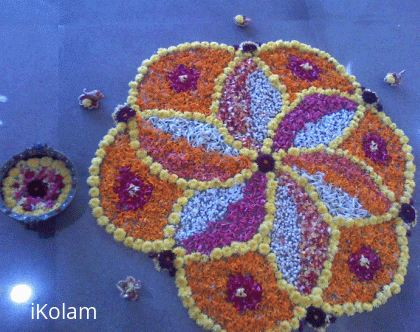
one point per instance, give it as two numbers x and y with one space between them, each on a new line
264 178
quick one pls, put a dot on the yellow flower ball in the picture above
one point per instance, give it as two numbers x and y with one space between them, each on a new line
338 310
7 182
33 163
239 19
119 234
174 218
264 249
94 192
129 241
141 154
349 309
155 168
138 244
184 292
181 282
87 102
58 164
253 245
216 254
10 202
110 228
168 244
46 161
98 211
68 180
135 144
147 247
227 252
94 202
389 78
103 221
169 231
158 246
242 249
93 181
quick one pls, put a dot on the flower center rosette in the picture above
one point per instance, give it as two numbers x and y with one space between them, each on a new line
275 185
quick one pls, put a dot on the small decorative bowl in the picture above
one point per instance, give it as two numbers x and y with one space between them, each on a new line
36 184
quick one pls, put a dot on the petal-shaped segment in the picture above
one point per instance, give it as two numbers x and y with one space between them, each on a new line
345 285
183 81
179 157
317 119
195 132
339 203
240 213
132 198
379 147
211 282
299 70
300 237
205 207
249 102
342 173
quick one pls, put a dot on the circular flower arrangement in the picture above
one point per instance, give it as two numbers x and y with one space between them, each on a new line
264 178
37 184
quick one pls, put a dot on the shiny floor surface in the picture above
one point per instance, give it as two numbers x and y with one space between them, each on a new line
51 50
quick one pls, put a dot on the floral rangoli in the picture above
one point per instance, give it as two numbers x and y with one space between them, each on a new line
265 178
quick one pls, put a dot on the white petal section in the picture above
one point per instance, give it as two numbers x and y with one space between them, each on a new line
324 130
265 104
206 206
285 236
339 203
196 133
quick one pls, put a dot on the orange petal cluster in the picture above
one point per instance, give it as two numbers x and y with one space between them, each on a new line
392 172
278 60
208 282
146 223
344 285
155 90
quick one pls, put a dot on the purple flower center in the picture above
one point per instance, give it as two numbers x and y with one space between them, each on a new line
243 292
265 163
37 188
304 69
374 147
249 47
407 213
132 191
166 259
364 263
369 97
125 114
183 78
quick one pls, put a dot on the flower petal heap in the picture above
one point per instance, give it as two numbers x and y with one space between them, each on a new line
263 180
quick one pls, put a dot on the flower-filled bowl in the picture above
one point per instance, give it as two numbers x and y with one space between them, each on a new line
36 184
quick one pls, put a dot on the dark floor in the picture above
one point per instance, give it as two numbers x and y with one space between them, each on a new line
51 50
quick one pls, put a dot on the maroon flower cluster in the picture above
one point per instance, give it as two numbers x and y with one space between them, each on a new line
132 191
265 163
374 147
243 292
183 78
124 114
304 69
364 263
